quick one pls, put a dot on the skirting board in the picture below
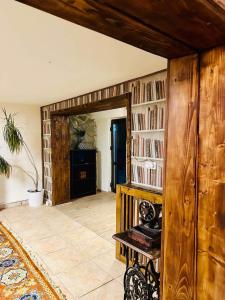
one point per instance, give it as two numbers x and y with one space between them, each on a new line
13 204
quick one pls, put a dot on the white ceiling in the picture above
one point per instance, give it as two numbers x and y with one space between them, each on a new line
44 59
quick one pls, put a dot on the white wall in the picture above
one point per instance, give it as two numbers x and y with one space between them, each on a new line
60 59
103 143
28 120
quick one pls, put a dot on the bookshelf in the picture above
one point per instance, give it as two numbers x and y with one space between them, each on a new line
146 158
149 103
147 130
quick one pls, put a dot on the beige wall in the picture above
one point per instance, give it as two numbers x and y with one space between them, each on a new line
103 143
60 59
28 120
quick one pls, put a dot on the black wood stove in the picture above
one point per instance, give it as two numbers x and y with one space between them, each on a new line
142 282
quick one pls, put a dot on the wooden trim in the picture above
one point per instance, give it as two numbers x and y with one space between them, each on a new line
211 177
108 87
118 217
179 198
63 114
164 180
60 142
101 105
134 191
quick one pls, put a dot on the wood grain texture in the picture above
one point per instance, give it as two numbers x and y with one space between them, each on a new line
123 100
211 203
60 145
200 24
104 19
180 175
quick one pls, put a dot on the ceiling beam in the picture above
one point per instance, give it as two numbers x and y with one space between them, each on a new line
167 28
200 24
104 19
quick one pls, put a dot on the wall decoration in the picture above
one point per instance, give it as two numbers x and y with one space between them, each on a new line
82 132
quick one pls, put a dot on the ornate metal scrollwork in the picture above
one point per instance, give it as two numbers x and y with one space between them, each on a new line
152 279
135 285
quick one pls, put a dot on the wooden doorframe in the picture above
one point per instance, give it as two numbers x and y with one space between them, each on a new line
58 194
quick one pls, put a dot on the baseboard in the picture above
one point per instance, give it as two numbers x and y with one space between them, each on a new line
13 204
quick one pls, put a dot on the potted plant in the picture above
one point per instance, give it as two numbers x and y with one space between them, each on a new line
16 143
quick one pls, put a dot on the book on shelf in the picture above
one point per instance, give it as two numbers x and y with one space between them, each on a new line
148 91
143 175
147 147
151 119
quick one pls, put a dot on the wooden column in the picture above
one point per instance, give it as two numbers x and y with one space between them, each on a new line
211 175
60 140
178 261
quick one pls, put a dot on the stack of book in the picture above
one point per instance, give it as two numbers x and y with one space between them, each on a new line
146 147
153 90
152 119
146 176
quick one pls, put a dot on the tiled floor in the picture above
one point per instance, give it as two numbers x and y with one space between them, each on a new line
73 242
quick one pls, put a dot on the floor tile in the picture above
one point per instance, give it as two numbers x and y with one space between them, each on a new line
48 245
110 291
84 278
64 260
109 264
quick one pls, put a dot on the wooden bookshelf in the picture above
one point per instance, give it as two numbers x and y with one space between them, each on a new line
148 120
147 130
149 103
146 158
153 187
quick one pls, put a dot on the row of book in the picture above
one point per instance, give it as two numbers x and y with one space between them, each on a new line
143 175
47 171
146 147
143 92
152 118
46 128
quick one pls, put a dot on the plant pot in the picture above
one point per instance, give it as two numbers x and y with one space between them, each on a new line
35 199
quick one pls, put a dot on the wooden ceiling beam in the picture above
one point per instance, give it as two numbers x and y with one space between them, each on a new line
200 24
167 28
102 18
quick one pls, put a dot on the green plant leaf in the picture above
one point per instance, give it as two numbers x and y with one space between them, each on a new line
11 133
5 167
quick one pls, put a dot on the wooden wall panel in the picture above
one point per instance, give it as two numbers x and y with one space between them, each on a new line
60 148
211 203
180 175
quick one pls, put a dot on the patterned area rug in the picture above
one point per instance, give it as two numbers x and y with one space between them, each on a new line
20 277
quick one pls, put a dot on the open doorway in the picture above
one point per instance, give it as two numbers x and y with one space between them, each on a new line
61 150
118 152
97 152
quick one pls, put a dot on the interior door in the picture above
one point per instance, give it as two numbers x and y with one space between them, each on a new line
60 140
118 148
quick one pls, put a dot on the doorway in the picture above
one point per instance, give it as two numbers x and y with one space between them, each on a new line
60 140
118 152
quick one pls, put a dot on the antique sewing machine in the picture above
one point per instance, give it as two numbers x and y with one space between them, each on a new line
141 282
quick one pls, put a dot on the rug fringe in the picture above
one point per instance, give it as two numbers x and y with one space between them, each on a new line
35 259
